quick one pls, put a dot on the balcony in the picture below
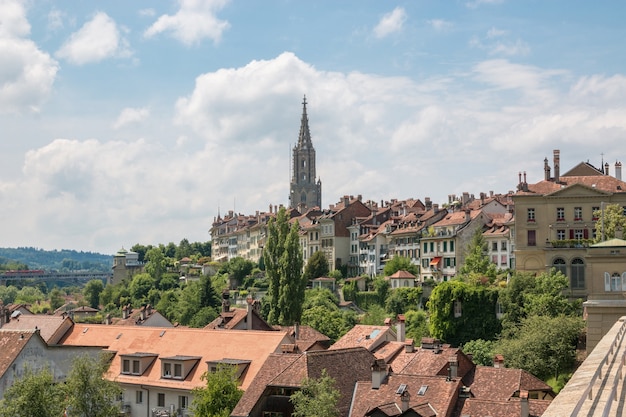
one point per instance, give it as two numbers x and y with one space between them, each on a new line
569 243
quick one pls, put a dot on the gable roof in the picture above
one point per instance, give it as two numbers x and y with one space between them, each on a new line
11 344
494 408
602 184
366 336
51 328
209 345
401 274
501 384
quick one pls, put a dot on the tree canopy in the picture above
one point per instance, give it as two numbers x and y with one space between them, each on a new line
220 395
316 266
317 397
400 263
35 394
610 220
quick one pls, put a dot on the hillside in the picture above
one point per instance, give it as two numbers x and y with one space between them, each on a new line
60 260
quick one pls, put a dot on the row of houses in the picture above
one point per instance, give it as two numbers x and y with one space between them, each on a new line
378 371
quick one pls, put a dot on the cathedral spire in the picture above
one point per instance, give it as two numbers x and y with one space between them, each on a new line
304 139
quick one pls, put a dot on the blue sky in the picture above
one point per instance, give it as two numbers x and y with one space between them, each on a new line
134 122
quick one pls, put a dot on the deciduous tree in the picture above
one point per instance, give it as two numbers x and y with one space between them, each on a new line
92 292
610 220
220 395
399 263
317 397
35 394
316 266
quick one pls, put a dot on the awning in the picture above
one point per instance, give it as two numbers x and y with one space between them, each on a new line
435 261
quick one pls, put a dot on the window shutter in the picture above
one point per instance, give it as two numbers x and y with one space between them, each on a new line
571 233
624 281
586 233
607 281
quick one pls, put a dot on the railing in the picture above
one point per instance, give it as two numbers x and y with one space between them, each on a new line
603 369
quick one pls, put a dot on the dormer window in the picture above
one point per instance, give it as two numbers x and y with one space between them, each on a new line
136 363
240 364
178 367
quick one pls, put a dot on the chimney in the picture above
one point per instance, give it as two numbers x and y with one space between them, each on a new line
346 201
125 312
409 345
453 367
225 302
618 170
546 170
436 208
296 331
142 313
557 165
249 309
606 168
427 203
400 328
405 397
379 373
148 309
498 361
524 406
107 319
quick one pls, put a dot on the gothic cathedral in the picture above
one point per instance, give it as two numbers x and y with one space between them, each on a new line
305 190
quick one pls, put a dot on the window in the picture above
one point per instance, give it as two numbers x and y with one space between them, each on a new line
136 367
167 370
183 402
452 246
595 213
432 246
503 245
160 399
578 213
578 274
425 262
425 247
126 366
532 238
178 370
139 397
560 266
449 262
445 245
560 214
614 282
560 234
457 309
530 214
494 259
494 246
578 234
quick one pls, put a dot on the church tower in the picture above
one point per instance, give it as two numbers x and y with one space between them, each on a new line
305 189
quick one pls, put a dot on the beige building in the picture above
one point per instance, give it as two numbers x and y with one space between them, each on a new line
555 219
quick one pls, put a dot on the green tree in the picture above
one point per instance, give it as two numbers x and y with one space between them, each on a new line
316 266
477 260
220 395
140 286
374 316
283 265
381 286
8 294
610 220
400 263
544 346
88 393
322 313
57 298
29 295
403 299
416 322
92 292
183 250
318 397
482 351
156 264
33 395
238 269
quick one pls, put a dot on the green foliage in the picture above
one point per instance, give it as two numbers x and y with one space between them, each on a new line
283 266
482 351
609 221
403 299
156 264
400 263
203 317
416 322
478 319
33 395
139 287
88 393
381 286
349 291
238 269
34 258
56 298
92 292
220 395
544 346
29 295
320 311
318 397
316 266
367 299
374 316
8 294
477 260
336 273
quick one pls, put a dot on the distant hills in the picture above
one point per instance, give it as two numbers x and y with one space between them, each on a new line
63 260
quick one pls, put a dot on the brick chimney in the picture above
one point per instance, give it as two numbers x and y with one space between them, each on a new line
405 398
546 170
453 367
225 302
379 373
249 310
498 361
557 165
618 170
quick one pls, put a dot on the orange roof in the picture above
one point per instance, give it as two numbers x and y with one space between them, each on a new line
208 345
402 274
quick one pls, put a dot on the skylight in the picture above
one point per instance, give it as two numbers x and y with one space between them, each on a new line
422 390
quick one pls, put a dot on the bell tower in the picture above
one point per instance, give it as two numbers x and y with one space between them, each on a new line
305 189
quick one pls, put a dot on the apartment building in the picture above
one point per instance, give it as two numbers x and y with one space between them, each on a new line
556 217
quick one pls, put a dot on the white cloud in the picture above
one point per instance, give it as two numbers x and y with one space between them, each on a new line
147 13
55 20
496 33
495 43
26 73
382 137
195 21
440 25
97 40
391 22
131 116
476 3
517 48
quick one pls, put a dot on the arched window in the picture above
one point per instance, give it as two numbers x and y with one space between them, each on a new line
303 197
577 280
560 266
303 163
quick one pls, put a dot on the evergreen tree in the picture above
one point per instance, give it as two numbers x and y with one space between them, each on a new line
276 235
316 266
477 261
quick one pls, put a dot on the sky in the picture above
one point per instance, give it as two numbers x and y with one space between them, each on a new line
139 122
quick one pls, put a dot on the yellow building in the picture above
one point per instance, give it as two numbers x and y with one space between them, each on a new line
555 219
